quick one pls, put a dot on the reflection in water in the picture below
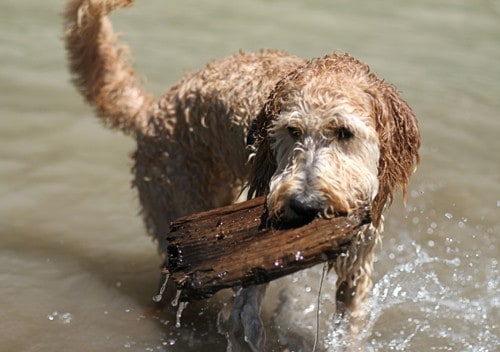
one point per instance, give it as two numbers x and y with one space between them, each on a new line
77 271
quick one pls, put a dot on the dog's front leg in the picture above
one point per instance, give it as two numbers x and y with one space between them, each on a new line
350 311
246 331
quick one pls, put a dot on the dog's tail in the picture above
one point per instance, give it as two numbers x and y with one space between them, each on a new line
100 68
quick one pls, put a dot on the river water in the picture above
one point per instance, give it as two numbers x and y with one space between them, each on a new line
77 271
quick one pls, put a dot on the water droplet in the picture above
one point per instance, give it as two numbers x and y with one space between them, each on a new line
299 256
309 308
178 315
169 342
276 263
66 318
220 236
222 274
455 261
157 298
449 216
175 301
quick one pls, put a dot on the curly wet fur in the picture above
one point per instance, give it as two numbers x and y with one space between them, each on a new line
327 126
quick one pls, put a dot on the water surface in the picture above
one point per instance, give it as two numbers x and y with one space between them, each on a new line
76 268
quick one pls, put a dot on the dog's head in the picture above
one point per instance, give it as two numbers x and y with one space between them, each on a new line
331 138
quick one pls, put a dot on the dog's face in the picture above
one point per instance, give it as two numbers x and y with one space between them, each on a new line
332 137
326 152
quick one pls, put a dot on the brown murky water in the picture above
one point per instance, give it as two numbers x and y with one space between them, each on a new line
77 271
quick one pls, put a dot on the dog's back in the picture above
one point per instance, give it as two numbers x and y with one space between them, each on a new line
191 153
194 155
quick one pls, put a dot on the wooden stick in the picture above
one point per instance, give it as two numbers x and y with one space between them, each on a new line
230 246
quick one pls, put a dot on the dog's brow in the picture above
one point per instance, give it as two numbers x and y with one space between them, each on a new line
349 120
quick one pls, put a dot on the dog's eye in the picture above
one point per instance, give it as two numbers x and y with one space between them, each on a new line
344 133
294 132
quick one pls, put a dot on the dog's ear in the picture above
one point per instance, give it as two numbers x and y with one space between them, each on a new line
263 160
399 138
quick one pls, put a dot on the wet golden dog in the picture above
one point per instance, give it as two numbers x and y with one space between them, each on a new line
325 136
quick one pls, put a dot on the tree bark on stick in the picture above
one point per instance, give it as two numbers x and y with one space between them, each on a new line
231 246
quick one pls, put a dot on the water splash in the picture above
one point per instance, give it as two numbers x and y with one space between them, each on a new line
426 294
175 301
250 344
64 318
157 298
318 303
182 306
169 342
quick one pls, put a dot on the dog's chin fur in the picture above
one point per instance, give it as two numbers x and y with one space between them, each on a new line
326 134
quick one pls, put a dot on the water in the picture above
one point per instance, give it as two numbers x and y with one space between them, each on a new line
77 271
158 297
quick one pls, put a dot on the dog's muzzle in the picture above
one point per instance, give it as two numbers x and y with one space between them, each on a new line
305 209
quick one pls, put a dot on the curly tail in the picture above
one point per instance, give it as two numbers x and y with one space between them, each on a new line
100 68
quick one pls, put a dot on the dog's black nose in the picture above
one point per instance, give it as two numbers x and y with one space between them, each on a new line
305 208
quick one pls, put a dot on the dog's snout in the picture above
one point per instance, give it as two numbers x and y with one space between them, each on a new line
304 207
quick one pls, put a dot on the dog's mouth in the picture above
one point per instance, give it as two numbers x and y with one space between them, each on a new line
281 222
288 223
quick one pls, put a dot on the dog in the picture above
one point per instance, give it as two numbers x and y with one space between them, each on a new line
318 137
